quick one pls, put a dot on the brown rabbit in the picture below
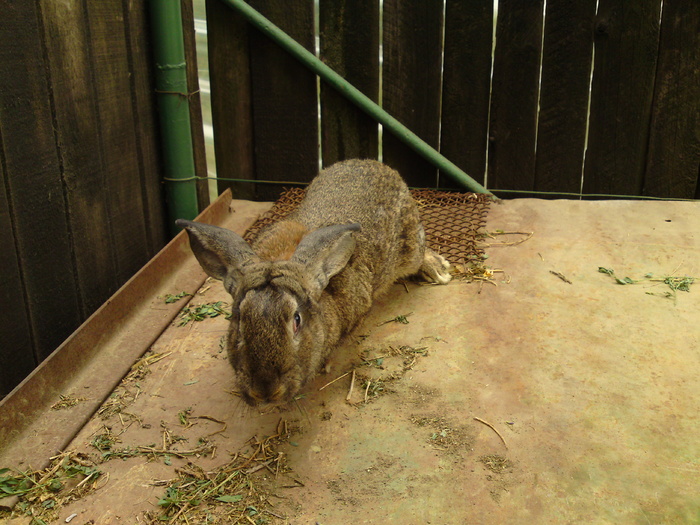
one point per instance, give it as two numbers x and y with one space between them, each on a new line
309 279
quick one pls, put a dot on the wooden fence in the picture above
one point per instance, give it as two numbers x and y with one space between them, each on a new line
562 99
81 206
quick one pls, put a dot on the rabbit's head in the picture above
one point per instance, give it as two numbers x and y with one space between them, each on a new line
277 337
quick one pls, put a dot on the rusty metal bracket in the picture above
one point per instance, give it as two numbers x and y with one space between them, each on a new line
92 361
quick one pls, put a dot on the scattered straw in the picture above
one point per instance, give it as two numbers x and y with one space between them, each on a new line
128 391
476 271
492 235
352 386
229 493
496 463
336 379
402 319
42 493
173 298
200 312
492 428
561 276
67 401
675 283
444 436
209 418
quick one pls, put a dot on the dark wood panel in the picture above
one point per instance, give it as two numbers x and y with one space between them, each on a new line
77 128
567 59
626 46
16 353
673 163
146 124
349 44
199 150
117 128
231 98
285 114
466 87
514 96
411 83
33 180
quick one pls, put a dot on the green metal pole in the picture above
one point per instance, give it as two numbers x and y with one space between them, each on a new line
354 95
174 110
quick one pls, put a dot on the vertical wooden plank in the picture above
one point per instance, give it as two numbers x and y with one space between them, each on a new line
567 59
146 123
77 130
117 127
231 99
674 145
514 96
285 113
33 180
16 353
626 46
412 38
200 154
466 87
349 44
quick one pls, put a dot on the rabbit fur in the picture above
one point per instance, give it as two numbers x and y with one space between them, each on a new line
309 279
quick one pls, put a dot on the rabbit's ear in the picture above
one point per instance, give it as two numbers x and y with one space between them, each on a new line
222 253
326 251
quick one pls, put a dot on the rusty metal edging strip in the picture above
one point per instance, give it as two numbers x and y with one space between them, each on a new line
92 361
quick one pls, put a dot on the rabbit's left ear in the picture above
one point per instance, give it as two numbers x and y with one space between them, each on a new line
324 252
222 253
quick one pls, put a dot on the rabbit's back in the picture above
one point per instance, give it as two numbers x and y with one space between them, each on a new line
363 191
390 244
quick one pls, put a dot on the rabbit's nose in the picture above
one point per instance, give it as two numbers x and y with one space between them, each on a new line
256 397
279 394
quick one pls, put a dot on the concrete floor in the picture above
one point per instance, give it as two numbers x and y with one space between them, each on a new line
593 386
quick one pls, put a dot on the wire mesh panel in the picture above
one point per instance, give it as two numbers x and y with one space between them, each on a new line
452 221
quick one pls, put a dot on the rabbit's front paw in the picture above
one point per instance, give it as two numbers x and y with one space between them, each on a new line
435 268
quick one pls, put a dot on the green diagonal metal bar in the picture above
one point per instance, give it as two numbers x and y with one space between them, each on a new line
354 95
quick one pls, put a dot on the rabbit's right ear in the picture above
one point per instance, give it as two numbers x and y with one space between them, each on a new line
325 252
222 253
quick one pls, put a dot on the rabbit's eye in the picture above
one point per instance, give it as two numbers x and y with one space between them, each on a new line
297 322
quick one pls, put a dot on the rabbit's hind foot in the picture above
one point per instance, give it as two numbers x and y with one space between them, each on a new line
435 268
